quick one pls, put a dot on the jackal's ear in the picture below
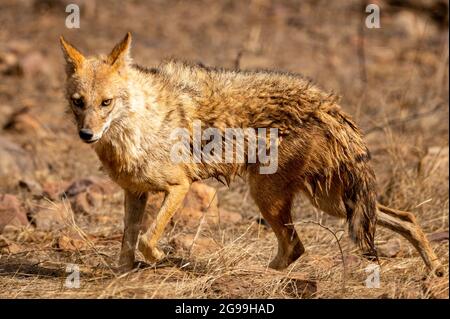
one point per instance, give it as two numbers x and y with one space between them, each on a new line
120 55
73 57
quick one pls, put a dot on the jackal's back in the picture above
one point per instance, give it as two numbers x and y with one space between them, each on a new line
303 114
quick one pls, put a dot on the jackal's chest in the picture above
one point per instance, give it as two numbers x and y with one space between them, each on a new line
139 174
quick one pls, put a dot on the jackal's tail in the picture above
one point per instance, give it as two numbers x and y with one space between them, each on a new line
361 206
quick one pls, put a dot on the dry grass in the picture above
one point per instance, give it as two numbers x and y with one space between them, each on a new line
407 75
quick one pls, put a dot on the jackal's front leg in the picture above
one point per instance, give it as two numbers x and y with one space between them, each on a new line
149 241
134 210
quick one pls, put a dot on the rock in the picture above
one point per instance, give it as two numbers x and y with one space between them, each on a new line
78 187
15 162
11 212
9 64
299 287
94 184
439 236
229 217
31 186
70 243
24 122
241 284
86 195
54 190
191 217
87 202
202 245
390 249
231 286
201 199
51 216
8 247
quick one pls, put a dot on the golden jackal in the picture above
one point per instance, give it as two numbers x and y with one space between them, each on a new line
128 113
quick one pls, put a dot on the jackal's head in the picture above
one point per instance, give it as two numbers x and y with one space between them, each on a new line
97 88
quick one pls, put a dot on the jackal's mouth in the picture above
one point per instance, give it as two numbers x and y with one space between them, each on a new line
97 137
92 141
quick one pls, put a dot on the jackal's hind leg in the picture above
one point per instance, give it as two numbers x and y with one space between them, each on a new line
405 224
275 204
149 240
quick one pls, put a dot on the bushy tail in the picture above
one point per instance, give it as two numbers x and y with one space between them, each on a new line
361 206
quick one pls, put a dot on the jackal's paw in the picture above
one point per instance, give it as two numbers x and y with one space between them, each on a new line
124 268
125 264
278 264
151 254
283 259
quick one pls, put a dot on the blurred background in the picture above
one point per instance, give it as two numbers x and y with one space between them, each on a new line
393 80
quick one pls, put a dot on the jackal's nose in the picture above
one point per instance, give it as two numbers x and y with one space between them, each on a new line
86 134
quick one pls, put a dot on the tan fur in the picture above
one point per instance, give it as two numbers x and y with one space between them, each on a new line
321 152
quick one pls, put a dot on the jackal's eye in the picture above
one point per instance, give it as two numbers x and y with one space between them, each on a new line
78 102
106 102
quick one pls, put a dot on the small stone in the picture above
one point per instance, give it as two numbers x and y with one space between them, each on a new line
200 202
24 122
92 184
8 247
299 287
64 242
9 64
201 199
86 203
51 216
229 217
53 190
390 249
11 212
15 162
78 186
31 186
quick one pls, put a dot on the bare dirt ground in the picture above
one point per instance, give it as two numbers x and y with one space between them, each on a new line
393 80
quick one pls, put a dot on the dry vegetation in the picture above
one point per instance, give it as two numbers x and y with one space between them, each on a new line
393 80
